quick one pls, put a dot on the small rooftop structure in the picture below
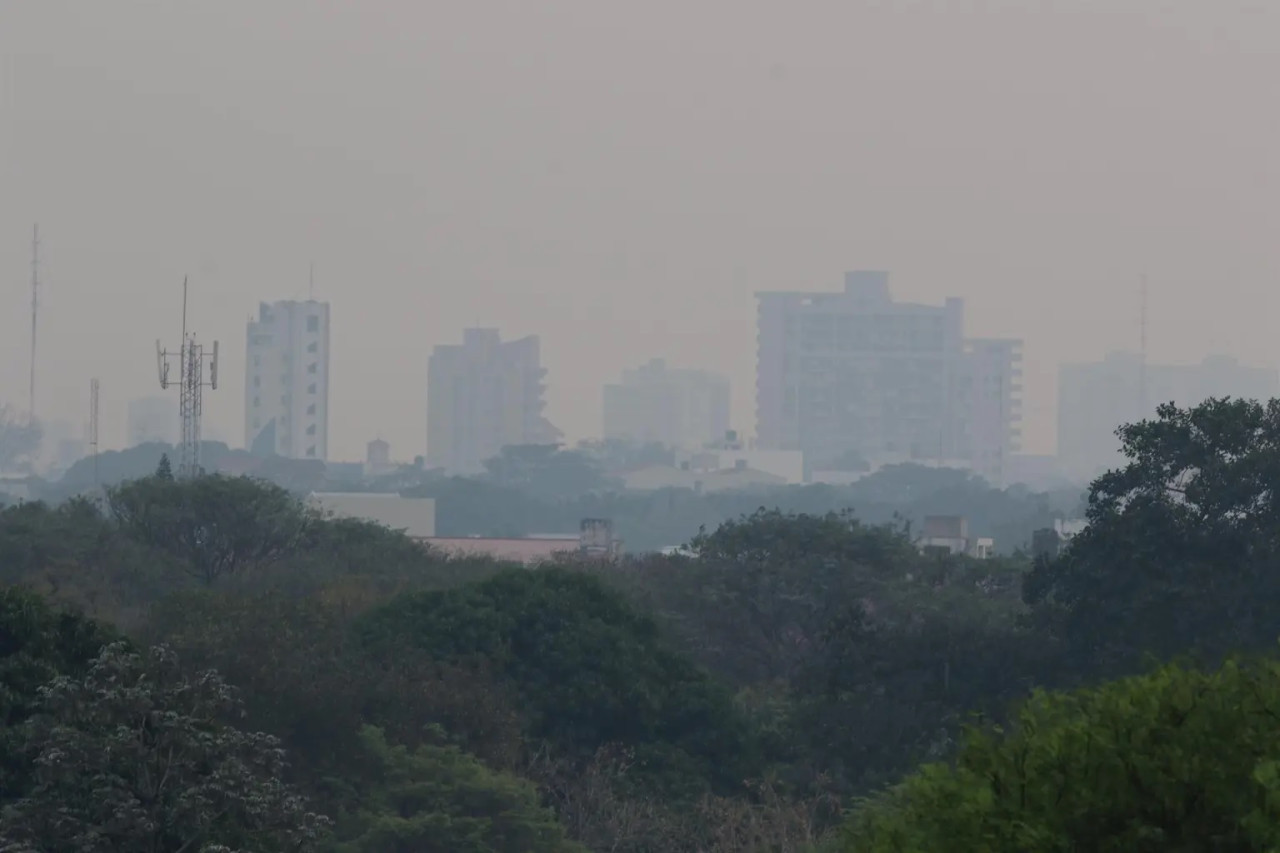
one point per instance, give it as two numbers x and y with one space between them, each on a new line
950 533
595 539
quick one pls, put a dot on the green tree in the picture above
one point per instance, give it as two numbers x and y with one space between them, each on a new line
304 679
1179 554
545 470
164 471
771 535
215 526
1176 760
438 799
587 668
38 643
135 757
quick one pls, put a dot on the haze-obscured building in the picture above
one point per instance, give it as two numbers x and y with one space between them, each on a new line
483 395
674 407
286 390
414 517
855 374
1096 398
152 419
950 534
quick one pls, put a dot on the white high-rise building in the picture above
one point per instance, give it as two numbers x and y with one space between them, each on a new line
286 405
854 376
483 395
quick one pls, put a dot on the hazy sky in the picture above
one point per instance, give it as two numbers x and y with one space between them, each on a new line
621 178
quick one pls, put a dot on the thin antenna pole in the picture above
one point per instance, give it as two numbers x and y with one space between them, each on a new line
93 427
35 302
1142 348
311 281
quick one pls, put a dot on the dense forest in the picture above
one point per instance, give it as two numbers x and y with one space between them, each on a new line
207 665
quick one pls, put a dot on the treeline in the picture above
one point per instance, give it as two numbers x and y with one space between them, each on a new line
205 664
545 489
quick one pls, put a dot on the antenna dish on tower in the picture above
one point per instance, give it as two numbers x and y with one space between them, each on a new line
191 360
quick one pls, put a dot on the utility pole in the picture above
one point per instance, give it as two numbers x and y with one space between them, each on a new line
1142 350
93 428
35 302
191 360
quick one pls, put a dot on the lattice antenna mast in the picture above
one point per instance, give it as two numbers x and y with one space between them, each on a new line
93 427
35 303
1142 349
191 361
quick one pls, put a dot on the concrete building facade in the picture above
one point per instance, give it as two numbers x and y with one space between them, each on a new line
152 419
854 373
287 381
674 407
1096 398
482 395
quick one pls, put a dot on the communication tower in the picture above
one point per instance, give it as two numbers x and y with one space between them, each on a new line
1142 351
35 302
191 360
93 426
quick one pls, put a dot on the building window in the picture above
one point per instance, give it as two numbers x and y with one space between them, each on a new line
257 382
311 389
311 368
311 451
313 347
313 323
311 430
256 402
311 410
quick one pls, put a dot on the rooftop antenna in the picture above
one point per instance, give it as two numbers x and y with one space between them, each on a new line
35 302
191 360
311 282
93 427
1142 348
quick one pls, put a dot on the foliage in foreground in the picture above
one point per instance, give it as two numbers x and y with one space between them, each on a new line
1176 760
589 669
438 799
137 757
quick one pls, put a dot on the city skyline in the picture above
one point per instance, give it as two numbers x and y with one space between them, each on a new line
442 171
217 431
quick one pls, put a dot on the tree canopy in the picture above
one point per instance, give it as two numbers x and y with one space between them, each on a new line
588 668
135 757
1181 543
1174 760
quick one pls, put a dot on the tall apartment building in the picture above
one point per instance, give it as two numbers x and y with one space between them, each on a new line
152 419
854 372
482 395
988 407
1096 398
678 408
286 410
